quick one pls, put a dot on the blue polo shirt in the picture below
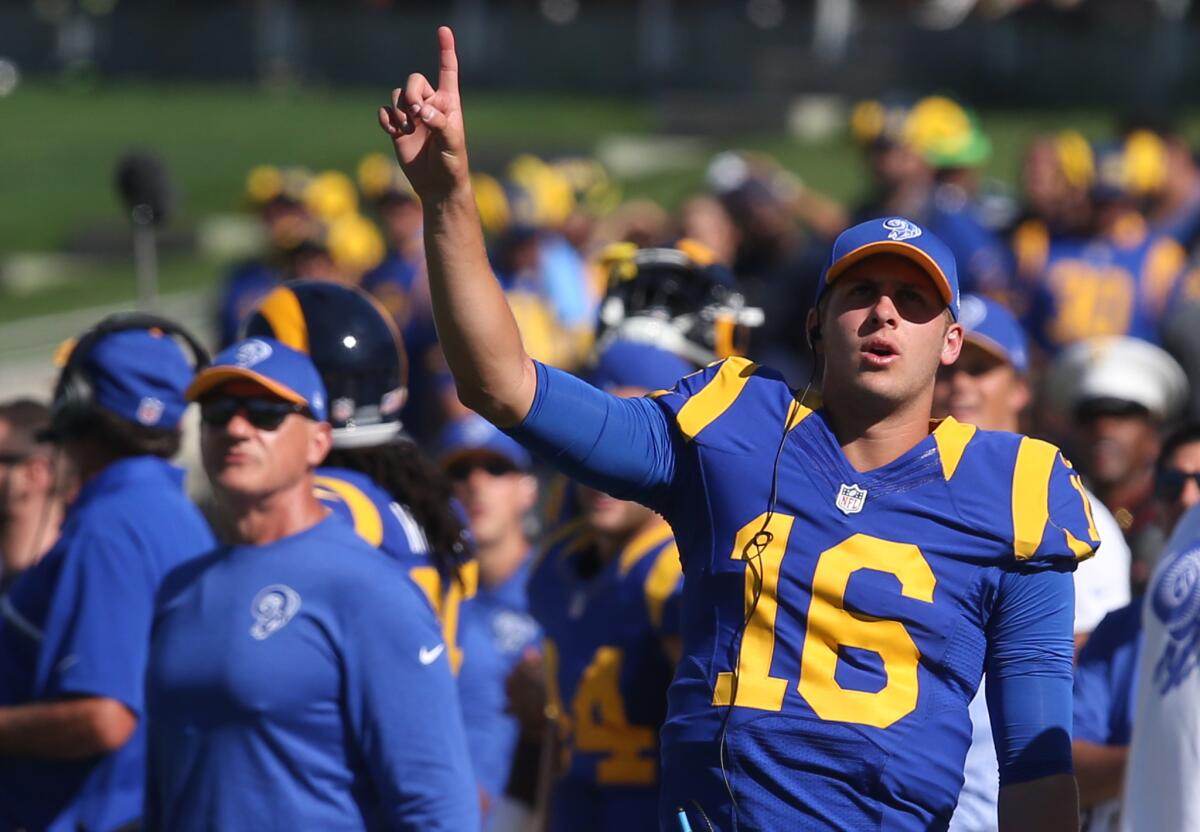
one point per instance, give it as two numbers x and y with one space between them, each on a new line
78 624
302 684
495 630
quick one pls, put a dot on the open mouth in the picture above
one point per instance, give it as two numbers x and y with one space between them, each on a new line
879 353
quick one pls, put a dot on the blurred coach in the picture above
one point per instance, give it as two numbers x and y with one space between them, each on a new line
297 679
74 627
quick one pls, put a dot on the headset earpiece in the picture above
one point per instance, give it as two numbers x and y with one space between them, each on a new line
814 335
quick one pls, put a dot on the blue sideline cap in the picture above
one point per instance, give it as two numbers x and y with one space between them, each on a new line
474 435
631 364
139 375
289 374
991 326
904 238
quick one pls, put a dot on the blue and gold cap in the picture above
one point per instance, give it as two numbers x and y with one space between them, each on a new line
991 326
903 238
277 368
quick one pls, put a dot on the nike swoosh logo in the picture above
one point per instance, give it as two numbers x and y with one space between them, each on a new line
429 656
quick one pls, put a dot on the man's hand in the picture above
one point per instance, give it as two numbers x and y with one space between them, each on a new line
426 126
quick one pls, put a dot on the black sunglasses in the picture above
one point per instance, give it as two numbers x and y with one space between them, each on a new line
1171 481
461 470
264 414
13 457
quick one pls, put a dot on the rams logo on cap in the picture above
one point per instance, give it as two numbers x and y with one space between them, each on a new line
901 229
252 352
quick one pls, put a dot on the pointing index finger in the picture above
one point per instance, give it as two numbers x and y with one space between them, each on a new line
447 61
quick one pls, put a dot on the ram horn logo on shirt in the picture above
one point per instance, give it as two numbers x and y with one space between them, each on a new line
273 607
252 352
901 229
1176 602
850 499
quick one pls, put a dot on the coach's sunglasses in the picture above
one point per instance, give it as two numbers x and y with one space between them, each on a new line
264 414
1170 482
461 470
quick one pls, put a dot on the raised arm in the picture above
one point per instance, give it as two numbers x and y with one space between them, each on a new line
478 334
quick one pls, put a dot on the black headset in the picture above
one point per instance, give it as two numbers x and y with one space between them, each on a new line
71 408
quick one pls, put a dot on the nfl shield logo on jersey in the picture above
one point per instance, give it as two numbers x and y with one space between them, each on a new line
850 499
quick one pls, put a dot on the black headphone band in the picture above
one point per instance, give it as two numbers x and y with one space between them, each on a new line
72 392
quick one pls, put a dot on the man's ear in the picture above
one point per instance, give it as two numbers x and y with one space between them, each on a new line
952 345
320 443
812 331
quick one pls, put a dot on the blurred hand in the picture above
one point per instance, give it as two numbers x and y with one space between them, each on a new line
526 688
426 127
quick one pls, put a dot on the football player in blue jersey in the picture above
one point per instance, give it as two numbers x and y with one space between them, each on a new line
849 572
375 477
606 591
296 680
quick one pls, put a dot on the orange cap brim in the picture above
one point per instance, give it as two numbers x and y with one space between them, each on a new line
214 377
902 249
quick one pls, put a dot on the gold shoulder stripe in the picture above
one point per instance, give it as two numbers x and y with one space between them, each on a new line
704 408
282 310
1082 550
952 437
1031 495
797 413
641 545
657 394
367 521
661 582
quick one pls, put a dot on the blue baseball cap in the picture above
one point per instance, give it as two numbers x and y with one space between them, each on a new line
631 364
474 435
904 238
991 326
278 368
140 375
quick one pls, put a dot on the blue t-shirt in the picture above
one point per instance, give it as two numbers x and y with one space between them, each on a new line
859 609
1106 678
302 685
78 623
494 632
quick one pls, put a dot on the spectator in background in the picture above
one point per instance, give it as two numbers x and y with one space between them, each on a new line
75 627
1117 277
391 282
276 195
297 679
1105 676
1163 762
32 486
988 387
493 481
1118 394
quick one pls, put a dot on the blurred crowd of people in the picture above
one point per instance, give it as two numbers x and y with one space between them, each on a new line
558 605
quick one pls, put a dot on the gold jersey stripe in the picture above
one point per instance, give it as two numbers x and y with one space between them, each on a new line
664 576
952 437
641 545
367 522
704 408
1031 495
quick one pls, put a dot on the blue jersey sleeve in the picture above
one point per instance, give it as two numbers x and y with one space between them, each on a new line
98 625
623 447
404 712
1030 650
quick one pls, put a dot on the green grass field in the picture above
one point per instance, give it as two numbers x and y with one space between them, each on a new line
59 146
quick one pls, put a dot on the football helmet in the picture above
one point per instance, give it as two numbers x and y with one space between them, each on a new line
678 299
356 347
